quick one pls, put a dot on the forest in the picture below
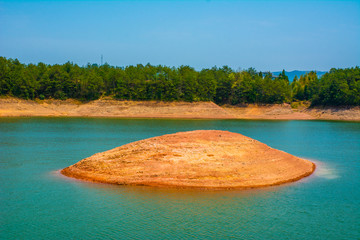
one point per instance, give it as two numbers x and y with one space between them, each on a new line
222 85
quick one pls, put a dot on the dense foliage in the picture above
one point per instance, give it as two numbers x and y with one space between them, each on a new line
335 88
221 85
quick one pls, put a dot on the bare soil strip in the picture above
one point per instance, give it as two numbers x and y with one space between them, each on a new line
13 107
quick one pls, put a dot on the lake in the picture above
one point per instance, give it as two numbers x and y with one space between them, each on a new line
38 203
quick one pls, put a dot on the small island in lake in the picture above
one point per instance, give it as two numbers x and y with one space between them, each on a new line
197 159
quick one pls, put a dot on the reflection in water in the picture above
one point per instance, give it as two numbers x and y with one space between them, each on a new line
193 212
182 194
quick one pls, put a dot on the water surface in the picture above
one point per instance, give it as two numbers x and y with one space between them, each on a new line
37 203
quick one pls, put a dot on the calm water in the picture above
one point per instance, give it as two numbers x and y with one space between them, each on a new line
37 203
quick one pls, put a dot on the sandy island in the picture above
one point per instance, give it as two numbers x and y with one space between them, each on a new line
13 107
208 159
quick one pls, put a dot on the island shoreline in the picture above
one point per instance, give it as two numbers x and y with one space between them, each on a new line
75 177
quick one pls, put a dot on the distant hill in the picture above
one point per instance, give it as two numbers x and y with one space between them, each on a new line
297 73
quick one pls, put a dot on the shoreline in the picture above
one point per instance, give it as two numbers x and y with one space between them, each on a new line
77 177
58 174
106 108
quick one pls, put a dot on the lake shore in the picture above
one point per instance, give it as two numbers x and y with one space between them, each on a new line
14 107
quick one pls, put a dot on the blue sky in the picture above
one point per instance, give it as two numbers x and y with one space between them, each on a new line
267 35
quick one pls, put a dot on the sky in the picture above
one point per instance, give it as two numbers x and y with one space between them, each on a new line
266 35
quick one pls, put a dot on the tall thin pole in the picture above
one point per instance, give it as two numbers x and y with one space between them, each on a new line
101 60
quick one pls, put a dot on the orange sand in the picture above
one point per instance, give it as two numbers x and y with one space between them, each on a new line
208 159
13 107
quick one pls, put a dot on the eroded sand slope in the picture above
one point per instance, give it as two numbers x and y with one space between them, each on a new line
13 107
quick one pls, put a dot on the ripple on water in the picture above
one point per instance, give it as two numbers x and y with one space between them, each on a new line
325 170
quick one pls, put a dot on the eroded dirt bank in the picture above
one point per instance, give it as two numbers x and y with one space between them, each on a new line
285 112
111 108
209 159
13 107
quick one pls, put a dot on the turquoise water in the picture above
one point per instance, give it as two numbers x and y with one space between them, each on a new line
38 203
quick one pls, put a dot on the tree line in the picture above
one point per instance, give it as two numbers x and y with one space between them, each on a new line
222 85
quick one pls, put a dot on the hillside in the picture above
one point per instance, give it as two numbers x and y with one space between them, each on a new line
297 73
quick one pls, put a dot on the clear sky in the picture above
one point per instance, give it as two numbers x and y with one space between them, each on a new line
266 35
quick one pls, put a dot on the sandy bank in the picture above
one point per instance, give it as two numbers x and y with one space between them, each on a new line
13 107
285 112
197 159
